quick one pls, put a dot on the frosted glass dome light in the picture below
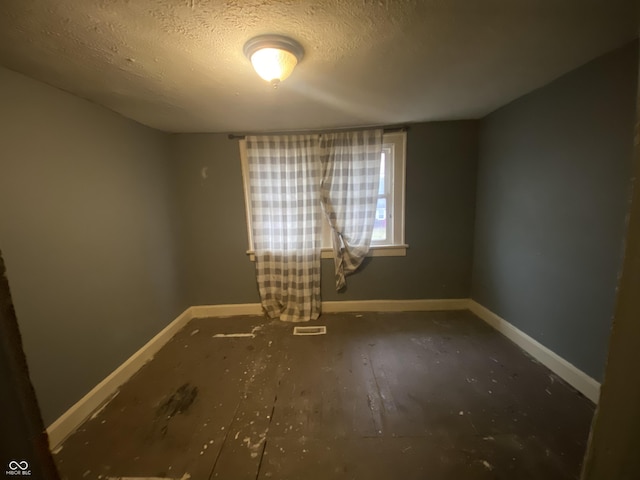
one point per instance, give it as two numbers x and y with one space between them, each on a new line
273 56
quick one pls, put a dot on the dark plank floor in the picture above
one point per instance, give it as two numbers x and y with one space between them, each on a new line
416 395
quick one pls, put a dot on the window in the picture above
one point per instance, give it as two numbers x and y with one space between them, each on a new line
388 230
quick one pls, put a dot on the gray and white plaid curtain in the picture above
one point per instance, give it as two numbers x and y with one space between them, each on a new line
292 178
284 177
349 192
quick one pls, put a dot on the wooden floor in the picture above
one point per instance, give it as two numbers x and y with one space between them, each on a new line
420 395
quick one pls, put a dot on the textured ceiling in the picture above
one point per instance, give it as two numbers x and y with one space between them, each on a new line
178 65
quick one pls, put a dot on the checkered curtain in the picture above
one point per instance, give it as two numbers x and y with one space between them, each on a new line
349 194
284 176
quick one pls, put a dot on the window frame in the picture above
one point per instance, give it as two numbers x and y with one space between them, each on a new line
388 152
394 143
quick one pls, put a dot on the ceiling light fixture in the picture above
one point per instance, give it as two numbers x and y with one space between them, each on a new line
273 56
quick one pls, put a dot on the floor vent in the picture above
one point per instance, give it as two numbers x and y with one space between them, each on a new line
320 330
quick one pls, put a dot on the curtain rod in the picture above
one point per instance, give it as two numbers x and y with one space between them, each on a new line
403 128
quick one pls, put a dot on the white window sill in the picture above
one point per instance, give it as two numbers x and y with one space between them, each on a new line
374 251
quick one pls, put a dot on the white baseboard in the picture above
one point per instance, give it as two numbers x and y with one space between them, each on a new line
99 396
394 305
205 311
575 377
69 421
59 430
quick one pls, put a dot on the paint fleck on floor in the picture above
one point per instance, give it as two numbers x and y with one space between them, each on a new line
414 395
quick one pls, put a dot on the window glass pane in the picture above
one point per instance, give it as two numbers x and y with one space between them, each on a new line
382 169
380 224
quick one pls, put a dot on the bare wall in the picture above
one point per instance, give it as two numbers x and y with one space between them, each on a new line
440 194
86 230
214 267
553 185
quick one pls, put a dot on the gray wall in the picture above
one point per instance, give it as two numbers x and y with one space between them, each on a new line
214 268
85 229
553 186
440 194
